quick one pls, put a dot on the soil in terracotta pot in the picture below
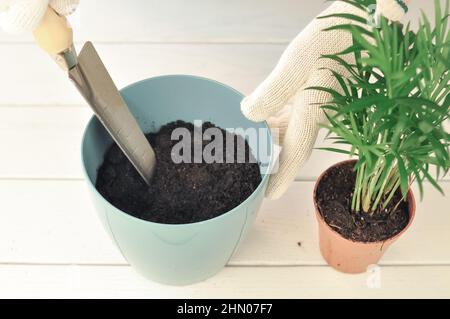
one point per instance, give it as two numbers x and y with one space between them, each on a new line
179 193
334 198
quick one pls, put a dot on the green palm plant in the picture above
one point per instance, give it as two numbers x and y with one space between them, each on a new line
392 104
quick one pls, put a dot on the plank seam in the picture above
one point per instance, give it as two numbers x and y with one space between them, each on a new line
80 179
15 106
143 42
37 264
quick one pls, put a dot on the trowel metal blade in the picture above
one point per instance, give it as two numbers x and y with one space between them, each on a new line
96 85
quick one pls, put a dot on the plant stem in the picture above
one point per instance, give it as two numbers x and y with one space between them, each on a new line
358 189
391 194
382 190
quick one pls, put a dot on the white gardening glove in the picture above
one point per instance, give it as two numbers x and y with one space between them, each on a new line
18 16
394 10
282 99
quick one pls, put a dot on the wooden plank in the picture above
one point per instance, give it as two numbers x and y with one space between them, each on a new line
54 222
44 142
235 282
200 21
189 21
52 135
51 221
31 77
286 232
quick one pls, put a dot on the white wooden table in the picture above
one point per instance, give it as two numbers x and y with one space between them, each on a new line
51 243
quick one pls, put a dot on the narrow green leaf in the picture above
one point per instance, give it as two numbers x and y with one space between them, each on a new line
404 177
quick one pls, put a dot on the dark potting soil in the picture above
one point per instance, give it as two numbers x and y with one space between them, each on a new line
334 199
179 193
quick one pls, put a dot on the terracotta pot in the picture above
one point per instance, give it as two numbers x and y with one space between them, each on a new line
350 256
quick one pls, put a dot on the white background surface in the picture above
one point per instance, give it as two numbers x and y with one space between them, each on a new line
51 243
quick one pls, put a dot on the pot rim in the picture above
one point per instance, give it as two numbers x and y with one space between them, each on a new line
411 209
258 189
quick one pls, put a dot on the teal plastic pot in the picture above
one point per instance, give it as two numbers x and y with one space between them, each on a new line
187 253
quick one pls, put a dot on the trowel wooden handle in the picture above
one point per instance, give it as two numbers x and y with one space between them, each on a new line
54 35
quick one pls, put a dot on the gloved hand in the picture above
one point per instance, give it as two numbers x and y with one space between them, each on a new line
282 99
18 16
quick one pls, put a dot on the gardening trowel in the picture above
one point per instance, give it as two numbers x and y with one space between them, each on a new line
91 78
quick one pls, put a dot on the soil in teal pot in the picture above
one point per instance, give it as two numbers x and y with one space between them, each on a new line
196 178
